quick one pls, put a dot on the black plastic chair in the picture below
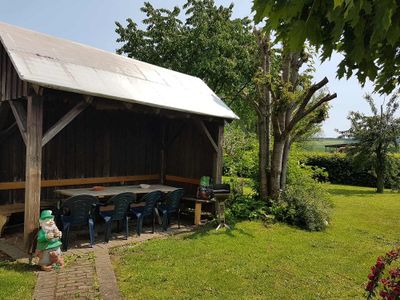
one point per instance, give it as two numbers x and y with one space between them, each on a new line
147 210
121 204
171 207
77 211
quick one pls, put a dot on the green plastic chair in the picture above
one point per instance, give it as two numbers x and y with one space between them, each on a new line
120 213
148 210
171 207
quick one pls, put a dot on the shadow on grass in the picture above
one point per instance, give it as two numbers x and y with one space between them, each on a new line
353 192
18 267
210 229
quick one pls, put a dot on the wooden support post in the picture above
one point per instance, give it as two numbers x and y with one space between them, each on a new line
33 166
218 156
197 213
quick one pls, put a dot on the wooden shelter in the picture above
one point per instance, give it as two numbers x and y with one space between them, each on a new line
72 115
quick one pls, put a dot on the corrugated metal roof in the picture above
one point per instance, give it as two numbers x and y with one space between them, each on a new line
74 67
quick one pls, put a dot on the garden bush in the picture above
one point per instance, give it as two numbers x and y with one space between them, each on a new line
243 206
304 203
342 170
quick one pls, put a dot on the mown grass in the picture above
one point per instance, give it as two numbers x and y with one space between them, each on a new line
17 280
278 262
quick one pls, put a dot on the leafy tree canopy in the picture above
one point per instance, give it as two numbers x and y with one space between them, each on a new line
200 39
376 137
366 32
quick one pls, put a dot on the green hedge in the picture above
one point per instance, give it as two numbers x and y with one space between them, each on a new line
340 169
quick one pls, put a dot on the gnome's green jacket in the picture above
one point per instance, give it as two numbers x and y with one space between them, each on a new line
45 244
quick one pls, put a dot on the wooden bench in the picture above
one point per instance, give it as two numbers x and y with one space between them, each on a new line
7 210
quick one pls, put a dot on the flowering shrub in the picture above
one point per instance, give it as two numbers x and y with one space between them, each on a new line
385 284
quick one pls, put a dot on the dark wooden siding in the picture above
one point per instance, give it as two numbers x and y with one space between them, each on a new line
11 87
102 143
191 154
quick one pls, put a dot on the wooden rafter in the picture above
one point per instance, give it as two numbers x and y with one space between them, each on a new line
20 116
207 133
64 121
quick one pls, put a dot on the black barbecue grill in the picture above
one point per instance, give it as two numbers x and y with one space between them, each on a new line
221 192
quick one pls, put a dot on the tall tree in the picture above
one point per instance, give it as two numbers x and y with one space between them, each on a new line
295 109
366 32
208 44
239 65
376 137
262 104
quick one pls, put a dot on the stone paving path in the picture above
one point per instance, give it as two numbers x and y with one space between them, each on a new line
88 273
75 281
105 274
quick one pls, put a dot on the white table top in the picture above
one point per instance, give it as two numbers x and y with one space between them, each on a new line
115 190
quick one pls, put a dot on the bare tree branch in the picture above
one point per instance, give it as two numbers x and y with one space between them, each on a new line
327 98
300 113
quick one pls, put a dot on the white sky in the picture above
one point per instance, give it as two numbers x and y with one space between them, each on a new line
92 22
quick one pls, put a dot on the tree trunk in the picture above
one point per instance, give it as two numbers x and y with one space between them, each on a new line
380 172
276 167
285 159
264 117
263 156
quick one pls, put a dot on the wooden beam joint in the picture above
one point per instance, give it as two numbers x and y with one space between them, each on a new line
38 89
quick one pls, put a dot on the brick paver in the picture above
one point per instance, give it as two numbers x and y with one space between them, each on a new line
75 281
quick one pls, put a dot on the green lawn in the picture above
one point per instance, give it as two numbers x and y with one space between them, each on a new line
278 262
17 280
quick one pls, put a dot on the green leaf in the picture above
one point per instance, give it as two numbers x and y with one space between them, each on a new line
297 35
262 9
337 3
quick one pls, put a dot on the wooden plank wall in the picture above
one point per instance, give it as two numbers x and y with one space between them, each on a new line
103 143
11 87
191 155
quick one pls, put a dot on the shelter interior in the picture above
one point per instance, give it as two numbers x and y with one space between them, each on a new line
77 140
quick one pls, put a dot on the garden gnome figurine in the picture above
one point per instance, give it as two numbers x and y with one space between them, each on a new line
48 243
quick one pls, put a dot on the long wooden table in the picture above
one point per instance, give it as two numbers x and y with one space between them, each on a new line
108 191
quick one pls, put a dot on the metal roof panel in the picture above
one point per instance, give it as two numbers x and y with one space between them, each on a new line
74 67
